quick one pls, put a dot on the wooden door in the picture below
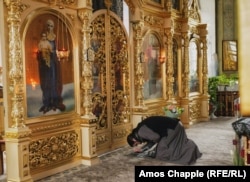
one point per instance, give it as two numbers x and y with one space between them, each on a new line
111 91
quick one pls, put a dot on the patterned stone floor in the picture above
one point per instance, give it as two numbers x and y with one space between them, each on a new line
214 138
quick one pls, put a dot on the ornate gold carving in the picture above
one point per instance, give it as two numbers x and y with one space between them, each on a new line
16 4
68 2
194 30
99 98
111 75
118 107
185 8
139 83
101 139
52 125
139 57
119 73
139 109
84 16
126 111
15 68
203 46
60 2
168 5
119 82
193 10
54 149
194 110
178 26
89 120
100 110
153 21
121 133
87 86
185 73
17 135
87 58
169 66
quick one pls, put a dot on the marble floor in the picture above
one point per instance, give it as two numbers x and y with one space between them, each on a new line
214 139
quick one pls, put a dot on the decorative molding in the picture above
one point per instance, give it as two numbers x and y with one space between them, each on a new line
194 110
53 125
101 139
60 2
193 11
54 149
152 20
18 134
121 133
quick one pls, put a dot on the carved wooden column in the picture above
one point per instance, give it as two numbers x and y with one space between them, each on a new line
88 123
139 60
205 99
203 39
185 75
185 80
86 61
185 117
139 108
185 52
169 67
16 134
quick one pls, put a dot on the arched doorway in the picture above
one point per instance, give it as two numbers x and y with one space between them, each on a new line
111 91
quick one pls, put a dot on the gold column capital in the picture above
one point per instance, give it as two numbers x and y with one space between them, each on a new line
20 133
137 26
84 15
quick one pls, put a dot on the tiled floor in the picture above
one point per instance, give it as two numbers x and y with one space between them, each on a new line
214 138
3 177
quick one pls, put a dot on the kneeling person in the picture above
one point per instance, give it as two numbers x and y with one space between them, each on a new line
163 138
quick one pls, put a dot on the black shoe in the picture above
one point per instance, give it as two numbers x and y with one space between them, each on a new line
42 109
61 107
46 109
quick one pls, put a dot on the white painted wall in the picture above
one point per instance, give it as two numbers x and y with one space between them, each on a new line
1 32
1 40
207 12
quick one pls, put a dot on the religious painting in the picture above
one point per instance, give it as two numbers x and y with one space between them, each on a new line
49 66
193 67
230 58
152 67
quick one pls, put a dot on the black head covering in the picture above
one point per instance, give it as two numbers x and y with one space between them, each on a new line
134 136
130 141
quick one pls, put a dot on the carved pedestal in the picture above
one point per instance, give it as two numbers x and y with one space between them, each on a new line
89 155
17 158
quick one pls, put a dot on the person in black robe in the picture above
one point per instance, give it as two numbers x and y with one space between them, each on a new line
163 138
